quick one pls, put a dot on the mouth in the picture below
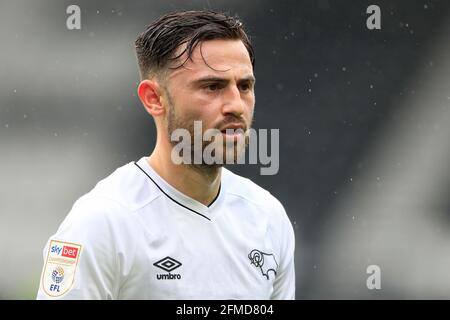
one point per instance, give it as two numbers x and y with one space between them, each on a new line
233 131
233 127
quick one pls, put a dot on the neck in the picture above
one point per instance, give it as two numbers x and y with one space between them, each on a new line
200 183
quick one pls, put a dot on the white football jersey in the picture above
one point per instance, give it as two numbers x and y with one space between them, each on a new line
134 236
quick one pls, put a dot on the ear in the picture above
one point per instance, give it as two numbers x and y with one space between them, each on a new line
149 92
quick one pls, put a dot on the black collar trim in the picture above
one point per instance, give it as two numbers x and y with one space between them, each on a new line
173 198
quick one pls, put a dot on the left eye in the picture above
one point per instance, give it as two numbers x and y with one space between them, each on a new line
244 87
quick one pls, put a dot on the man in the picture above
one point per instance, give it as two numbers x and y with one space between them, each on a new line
161 229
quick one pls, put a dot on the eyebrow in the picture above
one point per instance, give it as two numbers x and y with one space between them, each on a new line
210 79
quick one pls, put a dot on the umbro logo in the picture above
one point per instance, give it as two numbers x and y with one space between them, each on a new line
168 264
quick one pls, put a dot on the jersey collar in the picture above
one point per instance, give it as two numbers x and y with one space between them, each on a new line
176 196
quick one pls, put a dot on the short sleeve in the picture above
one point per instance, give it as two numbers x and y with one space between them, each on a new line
79 260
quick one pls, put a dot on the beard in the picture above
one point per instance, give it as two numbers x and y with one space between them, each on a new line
226 150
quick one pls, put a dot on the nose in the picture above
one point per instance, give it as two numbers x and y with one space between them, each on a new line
233 102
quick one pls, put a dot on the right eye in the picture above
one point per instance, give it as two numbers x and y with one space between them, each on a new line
213 87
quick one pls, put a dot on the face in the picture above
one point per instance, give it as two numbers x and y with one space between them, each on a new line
216 87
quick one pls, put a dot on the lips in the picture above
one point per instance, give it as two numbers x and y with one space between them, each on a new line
233 126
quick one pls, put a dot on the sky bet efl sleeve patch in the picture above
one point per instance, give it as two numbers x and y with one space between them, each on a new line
59 271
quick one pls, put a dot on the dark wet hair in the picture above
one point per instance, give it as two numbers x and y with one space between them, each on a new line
156 47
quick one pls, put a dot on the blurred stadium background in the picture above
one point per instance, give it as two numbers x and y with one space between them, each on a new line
364 119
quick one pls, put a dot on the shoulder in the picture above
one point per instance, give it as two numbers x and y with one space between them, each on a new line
127 187
112 201
255 195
